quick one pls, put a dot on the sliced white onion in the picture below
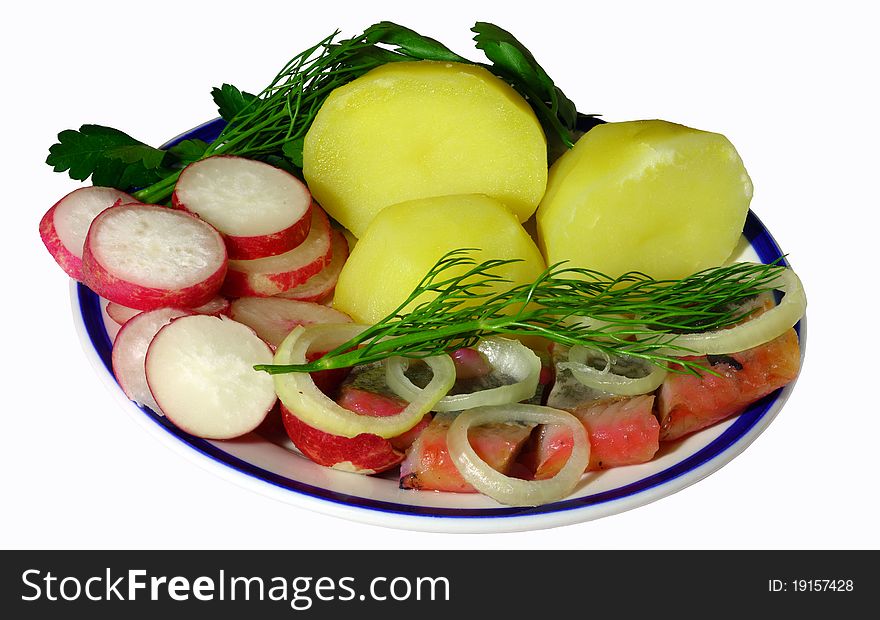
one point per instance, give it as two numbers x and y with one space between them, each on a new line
513 491
508 357
753 332
608 381
301 396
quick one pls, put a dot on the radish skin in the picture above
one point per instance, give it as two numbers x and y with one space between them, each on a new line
260 210
148 257
130 352
122 314
200 371
273 318
265 277
364 454
64 227
321 285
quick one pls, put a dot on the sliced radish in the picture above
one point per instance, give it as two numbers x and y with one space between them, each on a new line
64 227
321 285
260 210
273 318
130 351
148 257
122 314
200 370
215 307
364 454
264 277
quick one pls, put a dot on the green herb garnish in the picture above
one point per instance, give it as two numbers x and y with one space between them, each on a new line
635 315
513 62
272 125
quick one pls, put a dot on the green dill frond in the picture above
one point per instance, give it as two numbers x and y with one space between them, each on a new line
632 315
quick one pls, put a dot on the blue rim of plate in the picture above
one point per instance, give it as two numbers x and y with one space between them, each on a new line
758 236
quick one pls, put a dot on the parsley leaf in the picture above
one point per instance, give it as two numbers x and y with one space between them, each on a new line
410 42
511 56
285 164
230 101
118 174
111 157
293 150
188 151
512 61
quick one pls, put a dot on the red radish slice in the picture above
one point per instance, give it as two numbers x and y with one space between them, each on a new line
122 314
273 318
321 285
217 306
265 277
200 371
148 257
64 227
364 454
130 351
260 210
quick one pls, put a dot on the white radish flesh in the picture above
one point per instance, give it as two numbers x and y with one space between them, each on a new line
64 227
264 277
200 371
261 210
122 314
273 318
321 285
148 257
130 351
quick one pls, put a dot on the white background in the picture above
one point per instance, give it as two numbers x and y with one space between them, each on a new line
791 84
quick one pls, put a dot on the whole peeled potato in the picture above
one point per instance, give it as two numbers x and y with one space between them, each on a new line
649 196
405 241
409 130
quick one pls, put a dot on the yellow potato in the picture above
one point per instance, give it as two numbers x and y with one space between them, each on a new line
405 240
411 130
648 196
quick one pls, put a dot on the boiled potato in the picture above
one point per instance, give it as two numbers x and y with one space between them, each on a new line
648 196
405 240
410 130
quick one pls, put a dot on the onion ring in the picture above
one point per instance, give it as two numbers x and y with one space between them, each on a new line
508 356
303 398
513 491
607 381
753 332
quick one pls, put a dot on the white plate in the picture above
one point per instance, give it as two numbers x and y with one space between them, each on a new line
271 466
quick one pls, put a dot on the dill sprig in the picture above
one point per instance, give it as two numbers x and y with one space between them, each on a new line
275 121
632 315
271 126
